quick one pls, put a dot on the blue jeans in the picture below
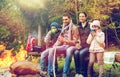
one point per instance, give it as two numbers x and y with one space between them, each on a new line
81 64
68 59
59 50
44 56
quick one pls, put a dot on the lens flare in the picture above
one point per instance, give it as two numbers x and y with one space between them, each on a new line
30 4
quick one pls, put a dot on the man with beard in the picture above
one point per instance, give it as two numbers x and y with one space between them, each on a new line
66 43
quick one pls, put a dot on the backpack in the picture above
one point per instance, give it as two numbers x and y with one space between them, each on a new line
31 42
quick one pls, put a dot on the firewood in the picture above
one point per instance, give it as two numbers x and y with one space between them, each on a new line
26 68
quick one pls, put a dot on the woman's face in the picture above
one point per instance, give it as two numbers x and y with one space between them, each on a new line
82 17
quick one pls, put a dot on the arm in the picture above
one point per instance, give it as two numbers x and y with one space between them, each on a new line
47 38
90 38
100 39
59 41
75 41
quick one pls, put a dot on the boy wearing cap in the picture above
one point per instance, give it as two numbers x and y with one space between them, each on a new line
52 35
96 40
49 39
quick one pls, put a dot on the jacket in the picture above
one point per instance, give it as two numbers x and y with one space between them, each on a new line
74 37
83 33
50 38
97 42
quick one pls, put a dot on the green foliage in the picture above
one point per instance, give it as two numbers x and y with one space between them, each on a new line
21 20
11 18
4 33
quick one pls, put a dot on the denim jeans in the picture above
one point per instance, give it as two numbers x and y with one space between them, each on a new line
44 56
68 59
81 64
59 50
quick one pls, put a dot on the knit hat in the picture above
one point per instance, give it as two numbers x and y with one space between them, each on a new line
54 24
96 23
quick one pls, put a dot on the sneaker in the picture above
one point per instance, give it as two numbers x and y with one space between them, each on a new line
77 75
80 75
64 75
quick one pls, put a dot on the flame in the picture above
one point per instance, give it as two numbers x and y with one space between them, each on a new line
22 54
7 58
2 47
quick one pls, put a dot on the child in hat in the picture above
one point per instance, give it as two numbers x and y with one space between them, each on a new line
96 40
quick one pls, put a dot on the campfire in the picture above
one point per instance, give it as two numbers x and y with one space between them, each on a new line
17 65
7 57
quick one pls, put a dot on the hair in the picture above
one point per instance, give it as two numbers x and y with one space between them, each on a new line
67 14
84 13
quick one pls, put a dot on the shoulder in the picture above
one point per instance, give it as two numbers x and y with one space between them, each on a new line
100 33
49 33
75 26
87 25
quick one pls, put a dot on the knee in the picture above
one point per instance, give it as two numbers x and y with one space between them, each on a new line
76 52
81 54
42 54
100 62
51 51
91 63
69 51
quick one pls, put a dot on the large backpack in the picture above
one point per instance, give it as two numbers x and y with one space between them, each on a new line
31 42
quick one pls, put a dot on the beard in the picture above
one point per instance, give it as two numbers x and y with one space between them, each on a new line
66 24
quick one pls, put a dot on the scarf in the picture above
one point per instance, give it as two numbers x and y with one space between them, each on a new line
69 28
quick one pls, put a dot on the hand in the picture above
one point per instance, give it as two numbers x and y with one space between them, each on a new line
57 43
93 33
62 39
78 46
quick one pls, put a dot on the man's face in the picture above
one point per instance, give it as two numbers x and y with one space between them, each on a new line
82 17
66 20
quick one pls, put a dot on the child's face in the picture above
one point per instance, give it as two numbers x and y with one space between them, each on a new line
95 27
53 29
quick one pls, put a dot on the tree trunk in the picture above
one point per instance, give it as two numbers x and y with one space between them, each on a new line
39 35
